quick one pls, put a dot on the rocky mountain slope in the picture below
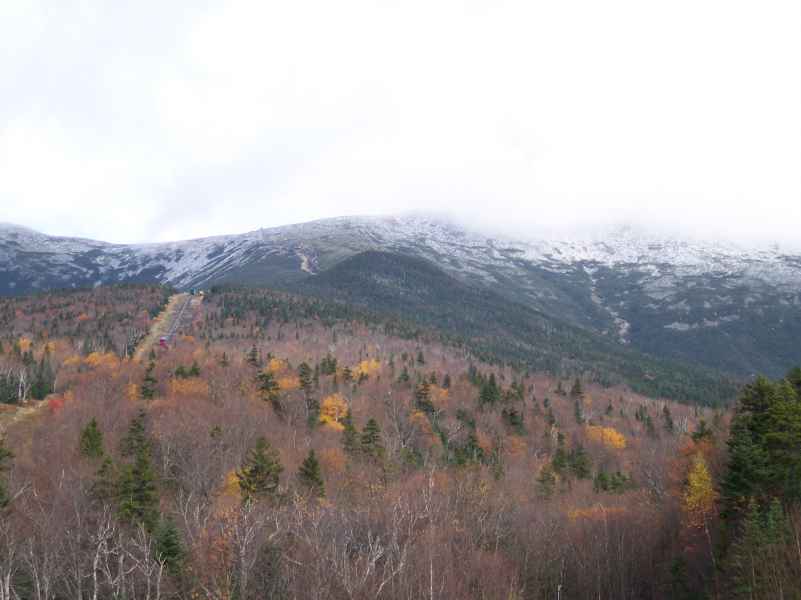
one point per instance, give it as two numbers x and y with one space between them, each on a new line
733 308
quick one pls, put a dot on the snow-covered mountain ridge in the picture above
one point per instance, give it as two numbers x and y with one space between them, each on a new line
736 308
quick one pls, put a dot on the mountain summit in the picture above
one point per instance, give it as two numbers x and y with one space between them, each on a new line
733 308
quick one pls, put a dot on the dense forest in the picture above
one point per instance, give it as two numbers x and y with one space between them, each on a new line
284 447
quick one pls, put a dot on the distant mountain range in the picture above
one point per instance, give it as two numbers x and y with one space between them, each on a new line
734 309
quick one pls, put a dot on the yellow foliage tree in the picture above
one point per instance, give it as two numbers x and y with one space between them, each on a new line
105 360
699 503
608 436
699 493
333 409
72 361
276 365
290 382
24 344
132 392
366 367
193 386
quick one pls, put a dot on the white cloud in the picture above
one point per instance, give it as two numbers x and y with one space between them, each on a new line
151 123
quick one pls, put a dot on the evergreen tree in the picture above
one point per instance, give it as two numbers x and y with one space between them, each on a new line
404 376
561 459
305 378
135 439
371 440
764 457
446 382
104 487
5 458
579 462
759 555
310 477
137 491
420 358
149 382
546 481
269 389
253 358
670 427
194 370
576 391
422 396
703 432
649 426
578 411
490 392
43 378
260 474
350 436
328 366
91 442
170 547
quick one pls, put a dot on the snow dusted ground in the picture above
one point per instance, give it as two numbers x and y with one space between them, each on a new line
638 287
458 249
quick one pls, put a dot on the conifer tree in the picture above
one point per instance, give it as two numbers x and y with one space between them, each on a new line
351 442
149 382
43 378
576 391
91 442
422 396
420 358
253 358
579 462
104 487
404 376
446 382
305 377
670 427
5 458
578 411
703 432
310 477
561 459
137 491
649 426
269 390
546 481
260 474
490 392
371 440
135 439
169 546
194 370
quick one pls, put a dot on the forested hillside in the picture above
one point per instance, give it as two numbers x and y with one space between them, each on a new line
502 331
39 333
291 448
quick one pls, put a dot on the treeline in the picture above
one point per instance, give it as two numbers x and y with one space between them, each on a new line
491 328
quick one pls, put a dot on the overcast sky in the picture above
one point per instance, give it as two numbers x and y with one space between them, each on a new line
148 121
